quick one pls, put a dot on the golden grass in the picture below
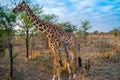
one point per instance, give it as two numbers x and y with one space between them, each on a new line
34 54
103 51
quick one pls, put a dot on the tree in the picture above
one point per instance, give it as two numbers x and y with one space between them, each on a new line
7 19
68 27
26 30
96 32
84 29
2 32
115 31
51 18
3 40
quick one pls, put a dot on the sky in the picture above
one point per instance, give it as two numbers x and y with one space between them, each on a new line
104 15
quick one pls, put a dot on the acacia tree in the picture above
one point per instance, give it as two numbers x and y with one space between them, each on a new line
84 29
115 31
7 19
51 18
2 31
26 30
68 27
96 32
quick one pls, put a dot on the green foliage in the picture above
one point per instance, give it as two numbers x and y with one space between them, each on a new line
24 18
37 9
51 18
85 27
115 31
96 32
26 28
7 18
68 27
3 40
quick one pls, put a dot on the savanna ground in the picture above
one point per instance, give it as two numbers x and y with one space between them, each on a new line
103 51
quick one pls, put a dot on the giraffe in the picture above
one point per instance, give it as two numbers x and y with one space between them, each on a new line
57 39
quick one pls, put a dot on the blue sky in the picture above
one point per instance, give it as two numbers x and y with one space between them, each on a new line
104 15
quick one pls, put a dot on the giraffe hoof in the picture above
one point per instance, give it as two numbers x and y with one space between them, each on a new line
74 77
54 77
59 79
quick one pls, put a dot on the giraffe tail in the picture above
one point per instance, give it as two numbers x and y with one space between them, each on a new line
79 62
79 58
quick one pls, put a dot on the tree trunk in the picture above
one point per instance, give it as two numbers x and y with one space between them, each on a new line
27 43
10 59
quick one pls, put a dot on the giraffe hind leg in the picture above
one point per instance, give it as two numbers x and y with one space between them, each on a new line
79 58
74 62
68 62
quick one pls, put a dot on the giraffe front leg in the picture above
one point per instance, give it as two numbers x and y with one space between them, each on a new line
57 69
54 69
54 77
58 65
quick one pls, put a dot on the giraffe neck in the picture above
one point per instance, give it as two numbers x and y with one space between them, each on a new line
37 22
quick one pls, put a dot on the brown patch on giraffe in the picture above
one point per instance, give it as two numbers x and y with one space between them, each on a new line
33 23
33 16
40 25
41 29
51 31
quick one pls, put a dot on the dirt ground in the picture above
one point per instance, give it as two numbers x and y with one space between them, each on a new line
103 53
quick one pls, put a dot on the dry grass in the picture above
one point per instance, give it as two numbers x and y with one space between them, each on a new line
34 54
104 54
103 51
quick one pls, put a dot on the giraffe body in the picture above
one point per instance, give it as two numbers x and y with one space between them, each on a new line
57 38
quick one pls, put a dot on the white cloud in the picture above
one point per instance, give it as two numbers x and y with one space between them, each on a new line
85 3
101 16
50 1
4 2
60 4
58 11
107 8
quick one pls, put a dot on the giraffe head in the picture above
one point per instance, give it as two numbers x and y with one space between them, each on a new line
20 7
